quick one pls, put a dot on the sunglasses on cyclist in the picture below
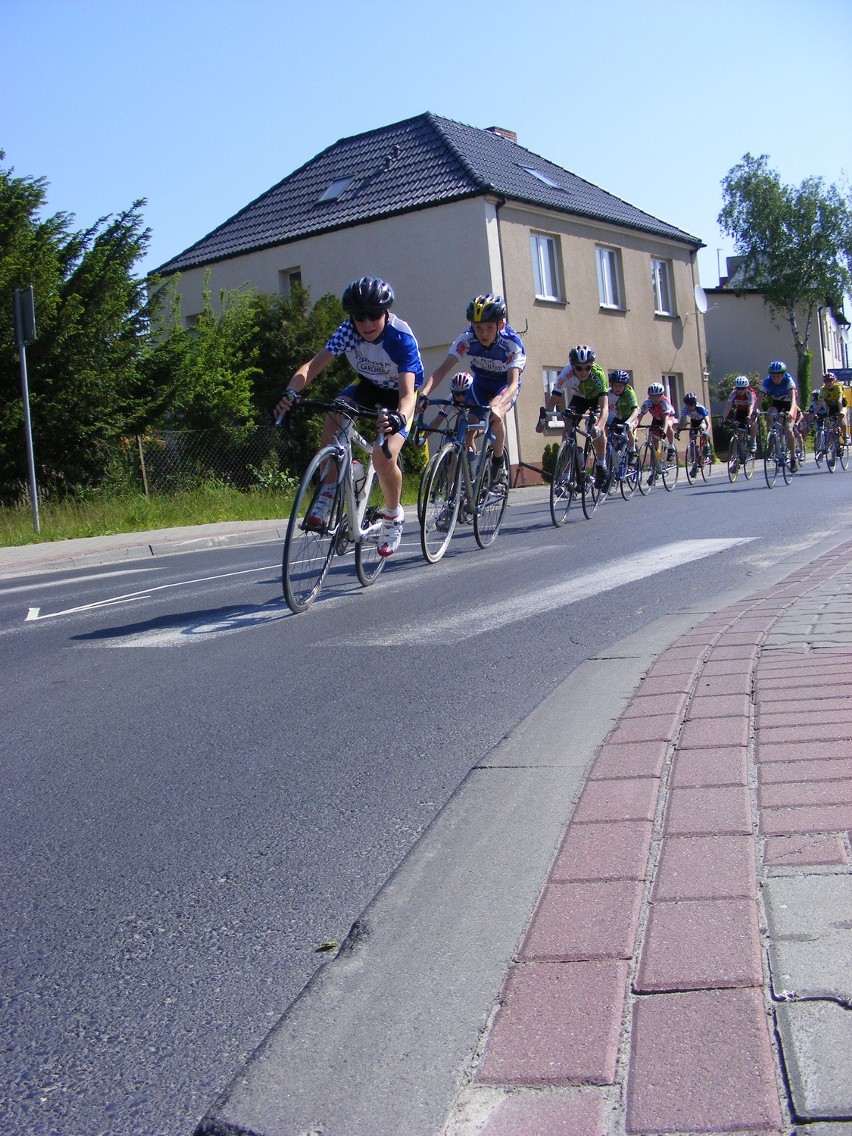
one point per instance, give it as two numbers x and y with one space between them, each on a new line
367 314
582 367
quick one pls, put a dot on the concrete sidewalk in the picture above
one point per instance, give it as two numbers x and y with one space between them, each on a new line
688 966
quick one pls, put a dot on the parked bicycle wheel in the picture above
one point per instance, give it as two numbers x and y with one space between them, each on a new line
630 481
491 499
311 538
671 468
590 494
563 483
440 506
368 563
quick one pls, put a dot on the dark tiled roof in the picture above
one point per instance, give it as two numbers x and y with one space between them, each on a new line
420 162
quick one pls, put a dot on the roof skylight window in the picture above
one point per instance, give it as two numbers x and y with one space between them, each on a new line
542 177
336 189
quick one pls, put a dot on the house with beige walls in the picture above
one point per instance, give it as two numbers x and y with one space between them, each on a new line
744 335
445 211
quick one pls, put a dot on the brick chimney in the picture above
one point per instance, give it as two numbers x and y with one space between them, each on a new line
503 133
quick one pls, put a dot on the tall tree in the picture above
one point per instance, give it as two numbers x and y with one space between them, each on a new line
796 242
85 381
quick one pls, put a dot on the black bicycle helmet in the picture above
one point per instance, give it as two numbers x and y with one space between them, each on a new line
369 296
486 309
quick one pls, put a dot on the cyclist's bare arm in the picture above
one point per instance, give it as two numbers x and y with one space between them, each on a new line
302 377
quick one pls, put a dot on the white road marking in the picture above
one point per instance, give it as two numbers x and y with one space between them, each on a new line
72 580
34 615
491 614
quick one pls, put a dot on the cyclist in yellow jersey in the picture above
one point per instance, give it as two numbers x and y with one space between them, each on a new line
829 399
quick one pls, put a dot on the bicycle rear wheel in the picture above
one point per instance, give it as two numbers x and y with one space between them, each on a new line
671 468
563 483
491 498
630 481
590 495
368 563
310 544
440 505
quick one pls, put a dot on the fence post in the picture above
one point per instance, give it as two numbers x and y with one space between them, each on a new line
142 464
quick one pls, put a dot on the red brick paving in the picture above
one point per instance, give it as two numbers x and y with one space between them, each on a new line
671 900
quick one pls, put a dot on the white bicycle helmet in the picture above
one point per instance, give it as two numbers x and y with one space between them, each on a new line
581 354
656 388
461 383
741 381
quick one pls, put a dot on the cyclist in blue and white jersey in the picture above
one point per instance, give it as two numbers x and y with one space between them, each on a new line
782 391
494 354
384 354
696 417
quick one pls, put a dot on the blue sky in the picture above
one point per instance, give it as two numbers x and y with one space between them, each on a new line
199 106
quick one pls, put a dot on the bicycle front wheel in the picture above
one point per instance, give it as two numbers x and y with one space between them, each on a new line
706 460
786 471
424 481
843 454
440 505
590 494
748 460
312 532
733 459
819 447
771 463
492 495
563 483
831 452
647 470
671 468
368 563
690 462
630 481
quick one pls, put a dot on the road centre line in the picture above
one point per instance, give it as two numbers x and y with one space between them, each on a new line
491 615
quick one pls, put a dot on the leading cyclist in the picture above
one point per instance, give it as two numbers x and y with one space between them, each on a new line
382 350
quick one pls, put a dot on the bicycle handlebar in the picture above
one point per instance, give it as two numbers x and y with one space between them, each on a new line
349 410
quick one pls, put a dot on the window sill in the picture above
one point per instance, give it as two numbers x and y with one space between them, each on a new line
613 310
550 302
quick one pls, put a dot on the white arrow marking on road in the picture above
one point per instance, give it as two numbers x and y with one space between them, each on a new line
130 597
491 614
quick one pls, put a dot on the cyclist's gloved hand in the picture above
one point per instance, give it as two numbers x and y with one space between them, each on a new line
285 403
396 422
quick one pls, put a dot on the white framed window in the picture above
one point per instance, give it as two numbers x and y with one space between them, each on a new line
287 277
661 277
610 279
674 389
545 258
549 375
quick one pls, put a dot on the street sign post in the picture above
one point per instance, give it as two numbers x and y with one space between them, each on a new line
25 333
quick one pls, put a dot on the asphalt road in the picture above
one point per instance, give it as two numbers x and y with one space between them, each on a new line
200 789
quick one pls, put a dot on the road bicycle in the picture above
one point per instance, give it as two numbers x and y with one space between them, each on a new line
460 486
622 462
354 516
776 457
740 454
828 445
656 463
574 469
698 459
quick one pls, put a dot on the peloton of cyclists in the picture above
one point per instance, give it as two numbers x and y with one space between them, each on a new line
583 385
382 350
781 390
662 414
495 355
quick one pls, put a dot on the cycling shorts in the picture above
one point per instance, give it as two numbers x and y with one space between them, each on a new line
367 394
579 406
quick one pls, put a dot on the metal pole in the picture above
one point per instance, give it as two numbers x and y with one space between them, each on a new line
28 429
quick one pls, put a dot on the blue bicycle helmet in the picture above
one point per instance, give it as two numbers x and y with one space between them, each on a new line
777 367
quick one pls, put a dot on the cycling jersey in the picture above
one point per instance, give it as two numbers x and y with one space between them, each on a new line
624 404
697 415
491 365
742 398
591 387
394 353
660 411
831 397
781 391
